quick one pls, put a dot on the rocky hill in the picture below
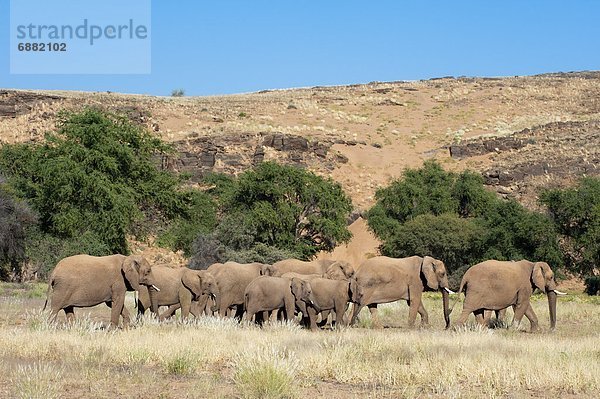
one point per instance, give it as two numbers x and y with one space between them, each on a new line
521 133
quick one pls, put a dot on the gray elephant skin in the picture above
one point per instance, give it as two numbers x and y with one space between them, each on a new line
267 294
383 279
338 270
496 285
83 281
232 278
179 287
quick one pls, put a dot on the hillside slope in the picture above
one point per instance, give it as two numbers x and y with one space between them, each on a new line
522 133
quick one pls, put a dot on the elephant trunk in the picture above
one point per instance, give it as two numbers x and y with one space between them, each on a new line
153 300
445 300
552 308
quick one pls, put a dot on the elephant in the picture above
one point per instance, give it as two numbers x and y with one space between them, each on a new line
232 279
180 286
84 281
496 285
339 270
382 279
330 295
266 293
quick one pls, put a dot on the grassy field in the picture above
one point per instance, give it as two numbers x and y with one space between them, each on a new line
213 358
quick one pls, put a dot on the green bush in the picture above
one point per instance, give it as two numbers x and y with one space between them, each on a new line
95 176
15 218
592 285
281 207
455 240
453 217
576 213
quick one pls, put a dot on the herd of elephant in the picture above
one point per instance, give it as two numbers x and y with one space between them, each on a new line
291 288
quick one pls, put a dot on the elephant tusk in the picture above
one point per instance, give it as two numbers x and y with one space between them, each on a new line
449 291
155 287
557 292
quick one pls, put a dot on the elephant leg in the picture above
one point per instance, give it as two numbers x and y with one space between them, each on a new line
374 315
170 312
69 314
324 318
118 308
340 319
239 312
356 308
248 315
290 307
464 315
424 315
480 317
312 317
487 317
185 308
533 320
414 305
520 312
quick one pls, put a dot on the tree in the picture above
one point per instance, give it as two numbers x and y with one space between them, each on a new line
95 176
15 218
283 207
453 217
576 213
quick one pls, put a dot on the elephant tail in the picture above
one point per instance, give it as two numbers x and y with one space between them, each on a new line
245 302
463 285
50 284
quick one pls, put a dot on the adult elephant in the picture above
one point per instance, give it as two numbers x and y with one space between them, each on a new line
180 286
383 279
232 278
268 294
82 281
496 285
337 270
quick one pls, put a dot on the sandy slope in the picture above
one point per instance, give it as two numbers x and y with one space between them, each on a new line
382 128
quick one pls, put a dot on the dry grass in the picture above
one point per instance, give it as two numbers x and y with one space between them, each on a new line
210 357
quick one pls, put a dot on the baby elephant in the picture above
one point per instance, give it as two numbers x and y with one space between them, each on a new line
266 293
331 295
181 287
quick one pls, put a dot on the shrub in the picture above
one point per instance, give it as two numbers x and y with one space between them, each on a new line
95 176
178 93
206 250
455 240
592 285
576 213
283 207
15 218
453 217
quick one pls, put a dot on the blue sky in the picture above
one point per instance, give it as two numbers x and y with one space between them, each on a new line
220 47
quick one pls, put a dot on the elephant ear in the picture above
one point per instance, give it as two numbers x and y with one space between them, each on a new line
296 285
335 271
131 270
305 290
191 281
348 269
537 276
428 270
